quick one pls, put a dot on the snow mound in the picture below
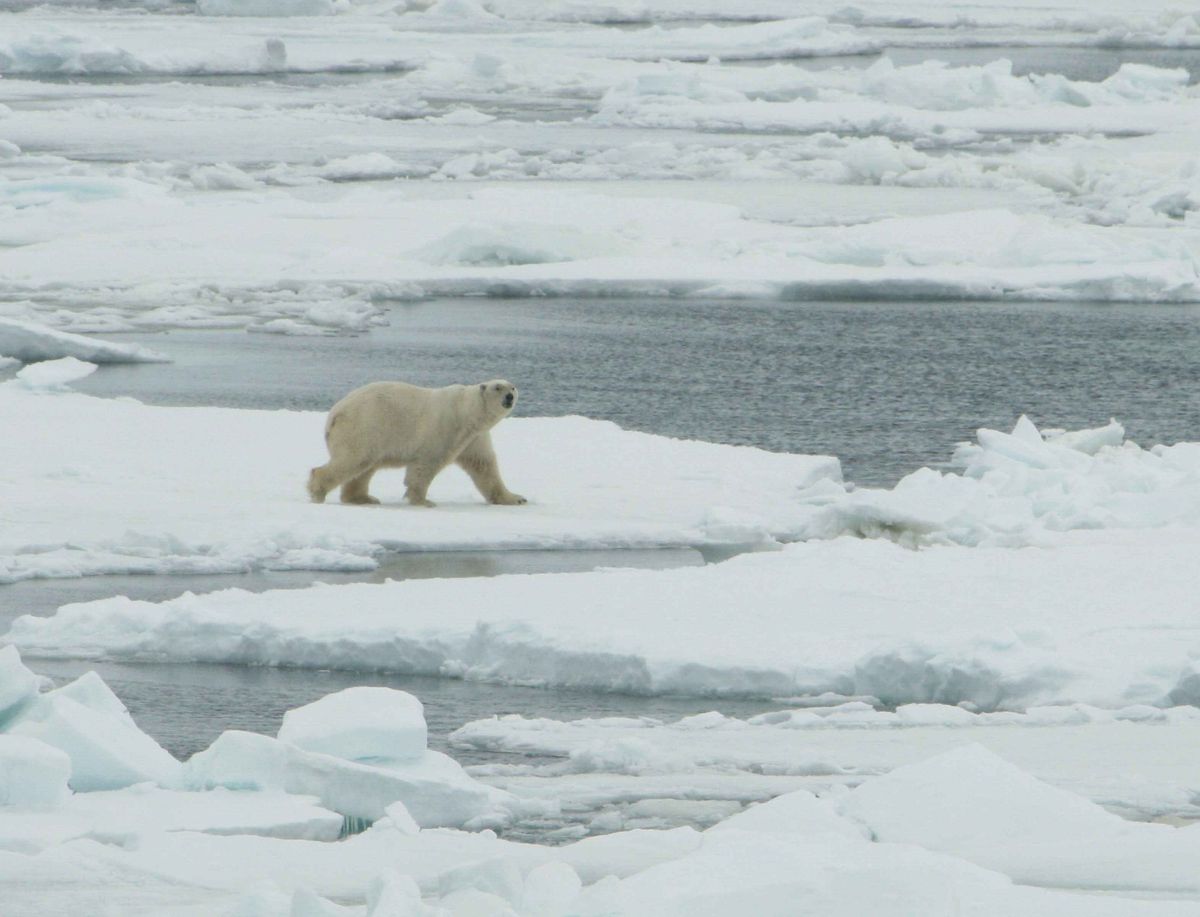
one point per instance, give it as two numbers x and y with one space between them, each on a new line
515 243
54 374
778 874
30 342
974 805
359 723
793 813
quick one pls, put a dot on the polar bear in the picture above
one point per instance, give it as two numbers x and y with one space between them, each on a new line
397 425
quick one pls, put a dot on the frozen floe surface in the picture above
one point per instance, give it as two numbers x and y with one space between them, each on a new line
1042 625
123 508
153 514
30 342
1051 623
322 262
1124 760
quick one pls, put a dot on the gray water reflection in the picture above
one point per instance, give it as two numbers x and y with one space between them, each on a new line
44 597
185 707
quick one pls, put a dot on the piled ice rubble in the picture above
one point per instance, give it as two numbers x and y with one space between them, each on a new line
1022 487
922 100
361 753
961 829
636 771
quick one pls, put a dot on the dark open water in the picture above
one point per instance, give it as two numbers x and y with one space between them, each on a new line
886 386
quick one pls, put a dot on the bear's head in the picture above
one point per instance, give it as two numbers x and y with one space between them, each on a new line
499 397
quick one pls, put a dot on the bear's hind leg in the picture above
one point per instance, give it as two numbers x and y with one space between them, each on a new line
355 490
325 478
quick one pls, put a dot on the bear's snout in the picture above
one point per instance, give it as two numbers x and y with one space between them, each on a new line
509 399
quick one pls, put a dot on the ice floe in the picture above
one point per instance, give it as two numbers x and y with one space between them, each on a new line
151 510
974 805
30 342
1123 760
1040 626
339 254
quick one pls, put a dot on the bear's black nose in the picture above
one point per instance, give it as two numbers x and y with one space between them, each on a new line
508 400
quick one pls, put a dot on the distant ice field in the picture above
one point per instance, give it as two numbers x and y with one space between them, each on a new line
294 172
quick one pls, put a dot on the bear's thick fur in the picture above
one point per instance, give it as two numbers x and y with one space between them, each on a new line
397 425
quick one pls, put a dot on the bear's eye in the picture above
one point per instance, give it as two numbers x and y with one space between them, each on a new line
497 388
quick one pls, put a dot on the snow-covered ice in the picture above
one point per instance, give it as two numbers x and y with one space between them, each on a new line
32 773
124 508
359 723
433 788
972 804
156 510
85 720
1033 626
54 375
295 219
1125 760
30 342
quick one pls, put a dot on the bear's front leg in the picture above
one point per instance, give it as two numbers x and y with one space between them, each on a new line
507 498
479 461
417 479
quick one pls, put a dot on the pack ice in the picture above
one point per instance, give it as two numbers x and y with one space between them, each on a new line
254 825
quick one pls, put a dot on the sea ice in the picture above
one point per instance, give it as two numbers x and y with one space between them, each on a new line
30 342
87 721
265 7
33 775
54 374
359 723
970 803
433 788
121 506
18 685
1125 760
1052 624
